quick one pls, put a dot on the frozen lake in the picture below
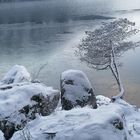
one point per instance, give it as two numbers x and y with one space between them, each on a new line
34 33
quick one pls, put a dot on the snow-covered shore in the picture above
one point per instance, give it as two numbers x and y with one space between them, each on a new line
112 121
32 111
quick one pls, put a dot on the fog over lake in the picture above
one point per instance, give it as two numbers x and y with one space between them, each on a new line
34 33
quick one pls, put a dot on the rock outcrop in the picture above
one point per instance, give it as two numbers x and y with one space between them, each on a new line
76 90
21 101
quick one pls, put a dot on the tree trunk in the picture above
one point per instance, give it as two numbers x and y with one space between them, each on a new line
115 71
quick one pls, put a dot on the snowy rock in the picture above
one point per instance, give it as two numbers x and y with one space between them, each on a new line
76 90
102 100
22 102
108 122
16 74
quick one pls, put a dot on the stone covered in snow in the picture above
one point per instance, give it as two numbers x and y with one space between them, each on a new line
76 90
102 100
21 102
108 122
16 74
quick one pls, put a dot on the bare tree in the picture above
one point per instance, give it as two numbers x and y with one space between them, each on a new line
36 75
101 48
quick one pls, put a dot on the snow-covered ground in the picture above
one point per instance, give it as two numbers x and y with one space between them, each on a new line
30 111
111 121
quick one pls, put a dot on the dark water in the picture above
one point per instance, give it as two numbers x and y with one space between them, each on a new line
34 33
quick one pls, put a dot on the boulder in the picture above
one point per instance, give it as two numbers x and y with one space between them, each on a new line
16 74
22 102
76 90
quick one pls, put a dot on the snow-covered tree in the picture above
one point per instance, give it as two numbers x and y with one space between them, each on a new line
101 48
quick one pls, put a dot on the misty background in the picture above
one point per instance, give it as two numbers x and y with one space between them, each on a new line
34 33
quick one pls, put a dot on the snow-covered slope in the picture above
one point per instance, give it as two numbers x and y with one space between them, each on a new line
112 121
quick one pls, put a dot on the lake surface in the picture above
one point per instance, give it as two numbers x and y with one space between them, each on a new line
34 33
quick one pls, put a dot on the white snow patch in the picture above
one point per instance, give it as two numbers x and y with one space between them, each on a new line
102 100
1 136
